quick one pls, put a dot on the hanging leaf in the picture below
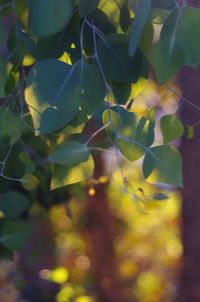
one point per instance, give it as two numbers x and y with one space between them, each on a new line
163 164
132 134
3 77
70 153
14 234
125 19
117 65
166 61
186 34
10 127
55 91
48 17
13 204
141 16
172 128
29 182
87 6
64 176
189 131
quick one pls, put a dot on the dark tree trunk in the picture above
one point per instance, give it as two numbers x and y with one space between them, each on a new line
101 234
190 149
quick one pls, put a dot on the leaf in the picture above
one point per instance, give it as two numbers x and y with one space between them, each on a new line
87 6
132 134
70 153
117 65
172 128
55 91
3 77
163 164
160 196
125 19
30 182
146 37
10 127
186 34
47 17
64 176
166 61
14 234
13 204
141 16
189 131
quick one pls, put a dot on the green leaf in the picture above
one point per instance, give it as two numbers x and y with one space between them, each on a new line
70 153
141 16
10 127
166 61
29 182
121 92
186 34
14 234
3 77
13 204
64 176
92 88
163 164
55 91
160 196
132 134
172 128
47 17
189 131
87 6
125 19
146 38
117 65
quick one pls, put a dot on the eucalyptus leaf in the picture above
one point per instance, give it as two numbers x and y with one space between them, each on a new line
13 204
132 134
186 33
47 17
10 127
64 176
56 90
163 164
172 128
117 65
14 235
70 153
87 6
141 17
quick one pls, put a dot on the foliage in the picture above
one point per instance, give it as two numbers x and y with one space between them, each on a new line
67 66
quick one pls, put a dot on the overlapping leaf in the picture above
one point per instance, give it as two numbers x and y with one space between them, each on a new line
132 134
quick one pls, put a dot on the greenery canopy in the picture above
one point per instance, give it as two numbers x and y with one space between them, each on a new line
69 64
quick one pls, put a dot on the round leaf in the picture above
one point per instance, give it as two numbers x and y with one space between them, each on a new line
117 65
171 127
163 164
48 17
70 153
13 204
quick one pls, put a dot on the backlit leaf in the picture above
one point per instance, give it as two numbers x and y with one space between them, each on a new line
162 164
132 134
172 128
166 60
64 176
